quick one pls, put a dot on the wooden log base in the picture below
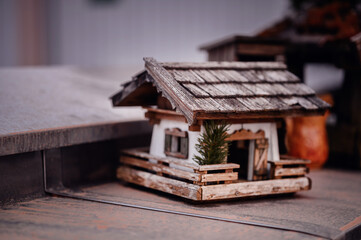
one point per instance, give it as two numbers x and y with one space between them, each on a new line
207 182
212 192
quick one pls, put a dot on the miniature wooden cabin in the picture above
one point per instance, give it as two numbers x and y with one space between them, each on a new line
249 96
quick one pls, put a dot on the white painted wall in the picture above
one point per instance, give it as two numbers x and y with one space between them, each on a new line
157 143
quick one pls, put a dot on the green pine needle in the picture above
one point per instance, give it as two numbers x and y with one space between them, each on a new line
212 145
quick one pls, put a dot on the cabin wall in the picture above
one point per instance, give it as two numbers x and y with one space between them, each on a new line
158 137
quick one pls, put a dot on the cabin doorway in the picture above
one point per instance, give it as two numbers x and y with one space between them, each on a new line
249 150
239 153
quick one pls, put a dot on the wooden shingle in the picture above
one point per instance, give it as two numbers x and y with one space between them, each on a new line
228 89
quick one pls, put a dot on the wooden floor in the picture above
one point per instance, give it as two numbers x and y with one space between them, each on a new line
332 208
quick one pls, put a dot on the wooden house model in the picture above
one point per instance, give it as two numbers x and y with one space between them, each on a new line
249 96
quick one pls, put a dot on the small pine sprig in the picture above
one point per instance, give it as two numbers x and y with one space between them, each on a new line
212 145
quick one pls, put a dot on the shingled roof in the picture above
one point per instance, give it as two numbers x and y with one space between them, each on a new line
222 90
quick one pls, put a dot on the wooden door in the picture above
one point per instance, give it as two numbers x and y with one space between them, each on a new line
260 159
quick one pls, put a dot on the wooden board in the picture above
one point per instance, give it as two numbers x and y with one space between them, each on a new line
213 192
217 167
171 89
224 65
245 134
179 188
257 188
159 168
145 155
299 171
290 162
216 177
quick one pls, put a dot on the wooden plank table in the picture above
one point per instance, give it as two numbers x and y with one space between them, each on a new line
332 209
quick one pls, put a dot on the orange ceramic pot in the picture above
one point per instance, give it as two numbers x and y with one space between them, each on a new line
306 138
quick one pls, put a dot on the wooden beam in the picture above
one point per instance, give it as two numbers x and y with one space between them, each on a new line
258 188
140 153
215 177
225 65
245 134
155 115
229 116
160 183
159 168
218 166
287 172
290 162
145 155
194 128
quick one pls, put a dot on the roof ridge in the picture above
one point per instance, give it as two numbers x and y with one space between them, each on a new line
225 65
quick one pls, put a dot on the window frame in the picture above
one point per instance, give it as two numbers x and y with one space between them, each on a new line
176 143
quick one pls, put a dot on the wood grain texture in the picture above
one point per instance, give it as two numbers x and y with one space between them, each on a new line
159 168
178 188
218 167
257 188
259 88
225 65
290 162
142 154
245 134
298 171
215 177
196 90
171 89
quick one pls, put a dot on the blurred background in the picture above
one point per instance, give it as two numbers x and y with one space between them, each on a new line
122 32
319 41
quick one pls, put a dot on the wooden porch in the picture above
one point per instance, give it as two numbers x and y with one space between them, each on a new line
208 182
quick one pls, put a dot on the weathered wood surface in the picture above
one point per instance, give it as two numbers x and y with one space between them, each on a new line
239 88
178 188
260 159
336 197
216 177
225 65
197 176
66 218
282 172
63 106
145 155
205 192
171 89
159 168
142 154
245 134
258 188
288 161
218 167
